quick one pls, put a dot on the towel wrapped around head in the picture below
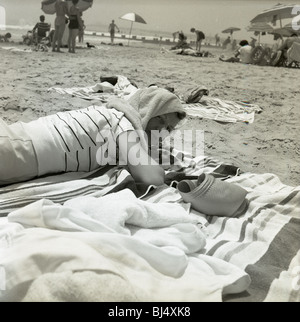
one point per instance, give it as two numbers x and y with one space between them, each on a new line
146 104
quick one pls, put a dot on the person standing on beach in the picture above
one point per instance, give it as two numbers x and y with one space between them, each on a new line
226 42
60 24
112 29
199 37
217 37
74 25
81 30
175 35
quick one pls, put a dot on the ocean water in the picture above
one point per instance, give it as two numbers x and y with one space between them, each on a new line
163 17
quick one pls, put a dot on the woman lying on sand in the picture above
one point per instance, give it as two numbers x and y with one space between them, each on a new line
182 48
86 139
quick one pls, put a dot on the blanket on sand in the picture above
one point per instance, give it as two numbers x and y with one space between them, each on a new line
73 240
209 108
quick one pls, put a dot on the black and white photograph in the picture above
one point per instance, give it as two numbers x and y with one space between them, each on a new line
149 153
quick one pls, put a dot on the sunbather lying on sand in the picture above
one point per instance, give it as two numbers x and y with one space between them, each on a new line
187 51
5 38
87 139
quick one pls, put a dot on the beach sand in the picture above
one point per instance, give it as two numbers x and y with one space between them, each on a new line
270 144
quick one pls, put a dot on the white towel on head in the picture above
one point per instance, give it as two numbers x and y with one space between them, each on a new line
147 103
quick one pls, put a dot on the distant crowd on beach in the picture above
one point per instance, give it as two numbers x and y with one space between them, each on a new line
283 52
200 38
70 26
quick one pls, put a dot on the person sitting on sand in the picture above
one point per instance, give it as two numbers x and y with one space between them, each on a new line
90 138
41 28
278 41
226 42
182 42
287 44
243 54
6 37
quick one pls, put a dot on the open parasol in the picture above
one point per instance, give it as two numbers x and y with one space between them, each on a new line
48 6
278 12
230 30
133 17
260 27
285 31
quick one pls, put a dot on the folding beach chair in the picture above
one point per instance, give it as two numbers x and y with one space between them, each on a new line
293 55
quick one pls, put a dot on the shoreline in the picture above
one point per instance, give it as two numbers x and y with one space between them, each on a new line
156 39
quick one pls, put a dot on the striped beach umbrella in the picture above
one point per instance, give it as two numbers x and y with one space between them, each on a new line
133 17
286 31
48 6
230 30
278 12
260 27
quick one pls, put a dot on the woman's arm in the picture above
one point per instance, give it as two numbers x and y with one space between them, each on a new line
141 166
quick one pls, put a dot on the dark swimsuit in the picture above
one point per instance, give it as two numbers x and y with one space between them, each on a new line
73 24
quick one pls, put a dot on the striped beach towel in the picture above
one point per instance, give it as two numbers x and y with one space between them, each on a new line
264 242
209 107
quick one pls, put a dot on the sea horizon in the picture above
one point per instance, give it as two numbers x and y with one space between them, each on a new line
163 17
20 30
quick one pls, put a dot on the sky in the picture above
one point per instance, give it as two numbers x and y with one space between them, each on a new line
162 16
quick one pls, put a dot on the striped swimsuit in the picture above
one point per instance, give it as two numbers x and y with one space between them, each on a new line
80 140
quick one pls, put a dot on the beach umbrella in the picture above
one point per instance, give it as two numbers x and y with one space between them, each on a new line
48 6
278 12
260 27
133 17
286 31
230 30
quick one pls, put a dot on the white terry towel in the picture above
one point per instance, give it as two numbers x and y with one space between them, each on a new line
162 224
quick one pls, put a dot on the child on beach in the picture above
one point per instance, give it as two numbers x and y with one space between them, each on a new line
87 139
